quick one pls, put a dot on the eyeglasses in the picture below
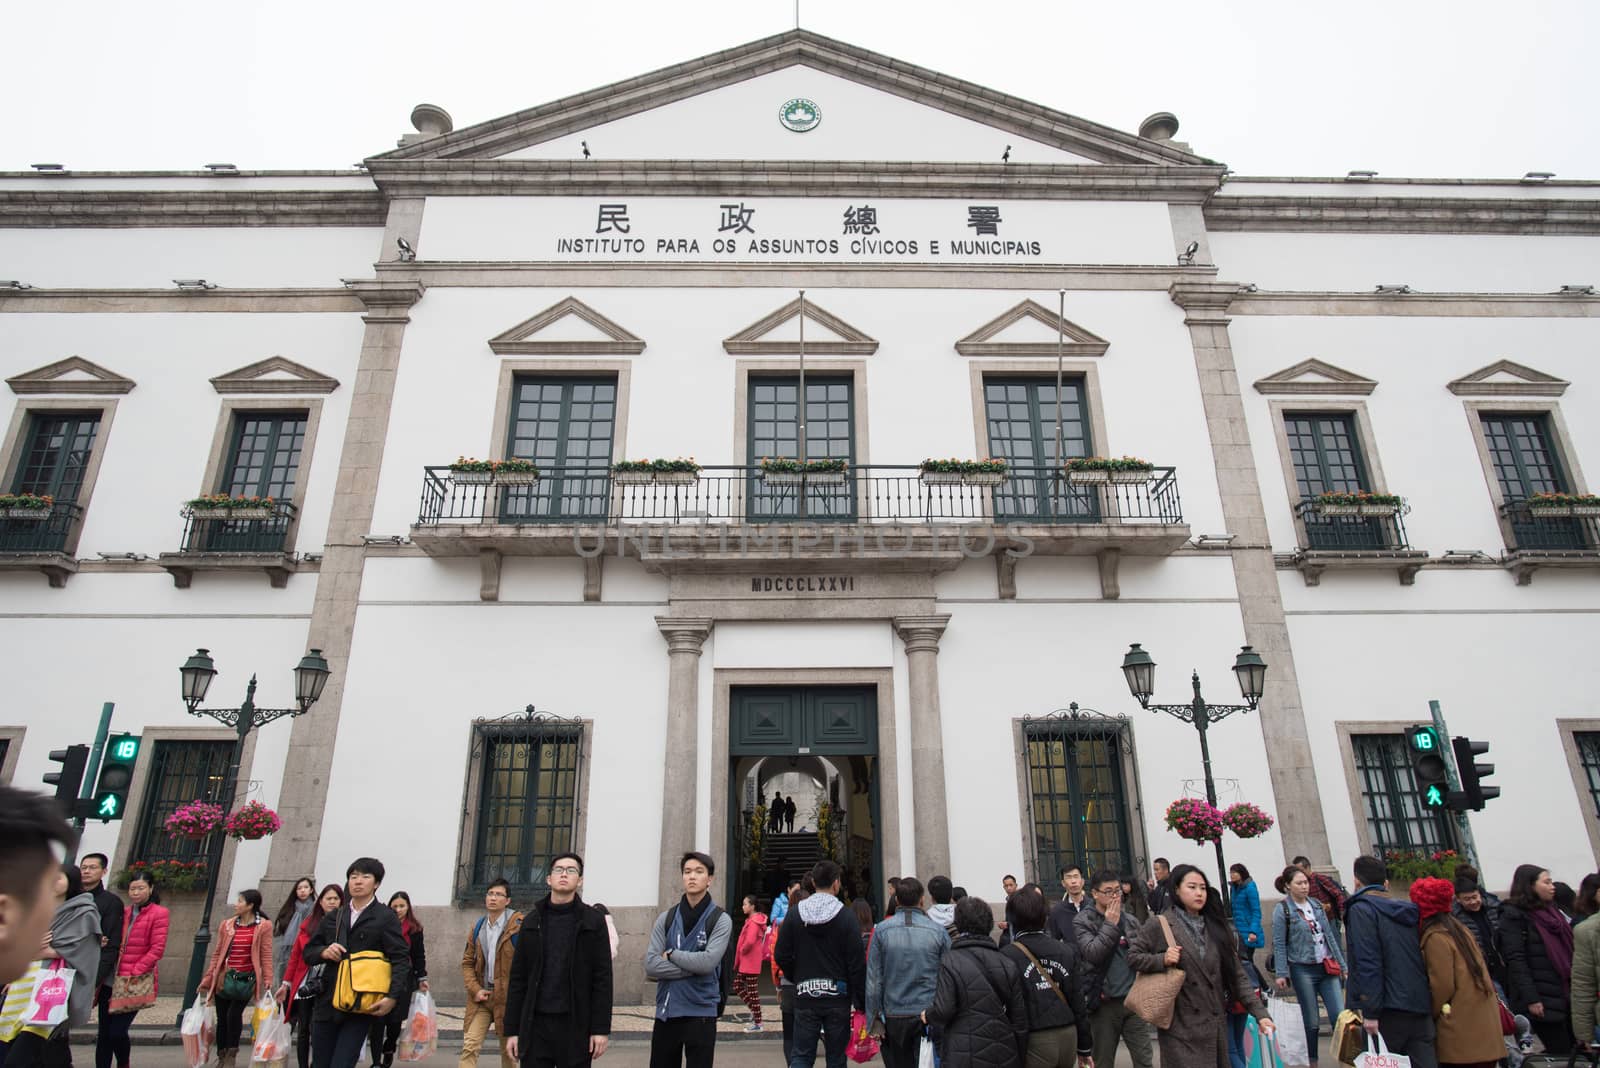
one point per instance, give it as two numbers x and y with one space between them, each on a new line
1112 892
564 870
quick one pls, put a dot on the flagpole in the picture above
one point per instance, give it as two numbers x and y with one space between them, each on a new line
800 413
1061 318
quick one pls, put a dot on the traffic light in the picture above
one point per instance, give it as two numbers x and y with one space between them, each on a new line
1427 764
1474 792
116 776
69 779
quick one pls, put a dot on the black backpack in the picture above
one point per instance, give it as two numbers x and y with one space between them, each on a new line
725 970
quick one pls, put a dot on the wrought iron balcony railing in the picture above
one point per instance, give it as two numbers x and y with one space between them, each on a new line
729 494
44 535
234 535
1542 528
1351 533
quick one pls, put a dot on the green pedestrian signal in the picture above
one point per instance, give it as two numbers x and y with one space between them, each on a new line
1433 797
109 807
116 777
1428 766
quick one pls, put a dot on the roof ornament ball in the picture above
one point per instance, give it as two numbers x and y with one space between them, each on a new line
431 120
1159 127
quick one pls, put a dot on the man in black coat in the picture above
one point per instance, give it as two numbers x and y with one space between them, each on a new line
819 948
1051 984
558 1010
93 869
363 923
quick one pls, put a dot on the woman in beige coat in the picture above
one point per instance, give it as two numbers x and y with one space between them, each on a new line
1466 1012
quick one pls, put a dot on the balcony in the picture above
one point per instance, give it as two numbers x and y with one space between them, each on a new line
235 544
1365 539
737 519
1539 536
28 544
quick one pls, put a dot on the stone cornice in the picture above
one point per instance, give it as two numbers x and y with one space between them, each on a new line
921 633
220 300
1204 302
1467 305
51 379
520 339
1076 341
252 379
1403 215
847 340
33 208
685 634
387 300
778 178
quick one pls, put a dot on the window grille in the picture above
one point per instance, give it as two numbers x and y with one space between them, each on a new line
1396 817
180 772
1588 743
529 770
1077 793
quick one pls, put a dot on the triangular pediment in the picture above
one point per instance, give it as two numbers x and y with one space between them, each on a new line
567 328
1313 378
778 334
1031 329
71 375
1503 378
275 374
795 65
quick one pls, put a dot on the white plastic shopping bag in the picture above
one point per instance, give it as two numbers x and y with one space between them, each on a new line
1290 1035
1377 1055
419 1038
266 1010
47 1005
199 1024
925 1058
273 1042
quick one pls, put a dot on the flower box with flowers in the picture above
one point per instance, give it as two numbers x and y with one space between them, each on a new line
26 505
253 820
225 506
660 472
194 821
783 471
1246 820
1195 819
175 876
1102 469
1561 505
1359 503
951 472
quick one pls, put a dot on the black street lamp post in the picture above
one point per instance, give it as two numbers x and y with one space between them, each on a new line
1140 670
310 676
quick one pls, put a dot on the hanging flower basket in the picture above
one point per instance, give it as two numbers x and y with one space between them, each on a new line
1246 820
26 505
1195 819
253 820
194 821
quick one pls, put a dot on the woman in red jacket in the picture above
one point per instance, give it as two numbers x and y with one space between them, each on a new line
240 971
289 993
144 940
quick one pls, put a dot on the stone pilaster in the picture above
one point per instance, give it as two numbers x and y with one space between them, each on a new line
686 637
930 819
1282 718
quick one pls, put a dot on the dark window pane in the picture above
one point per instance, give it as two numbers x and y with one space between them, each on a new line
57 455
1080 808
180 772
1396 817
558 423
1589 758
1021 414
528 803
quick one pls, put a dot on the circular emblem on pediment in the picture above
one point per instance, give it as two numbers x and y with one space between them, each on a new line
800 115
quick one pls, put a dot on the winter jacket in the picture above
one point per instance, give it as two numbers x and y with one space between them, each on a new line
588 978
819 949
419 958
689 980
1386 969
111 910
144 940
1047 1009
472 973
945 916
1292 940
1098 944
1200 1013
75 934
1585 977
1470 1032
1064 917
377 928
1484 924
1530 977
1329 892
260 957
283 941
980 1005
752 949
1160 898
294 972
903 964
1246 900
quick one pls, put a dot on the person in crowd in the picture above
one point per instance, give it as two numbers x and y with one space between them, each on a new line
1327 891
1588 902
1536 943
362 924
611 927
943 911
298 996
93 871
385 1035
1467 871
1246 902
1305 953
1466 1010
1104 933
862 910
1160 885
1586 964
1074 899
902 973
1008 886
775 815
978 1003
788 813
30 827
485 964
1473 912
1133 898
748 958
819 945
300 903
144 940
889 907
239 972
686 948
1388 981
1566 900
1207 950
74 939
799 890
1052 985
558 1010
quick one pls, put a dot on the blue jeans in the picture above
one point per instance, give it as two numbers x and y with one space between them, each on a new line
1236 1027
831 1020
1309 981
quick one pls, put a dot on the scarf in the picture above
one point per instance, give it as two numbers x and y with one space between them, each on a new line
689 915
1197 928
1556 934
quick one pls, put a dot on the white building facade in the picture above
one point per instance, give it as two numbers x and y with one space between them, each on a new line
619 275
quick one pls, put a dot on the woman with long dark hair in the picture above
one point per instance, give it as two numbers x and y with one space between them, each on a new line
1133 898
385 1037
1466 1014
1536 944
240 971
1207 950
296 998
1306 953
291 915
144 940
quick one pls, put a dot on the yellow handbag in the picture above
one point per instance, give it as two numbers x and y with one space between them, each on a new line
361 981
1349 1039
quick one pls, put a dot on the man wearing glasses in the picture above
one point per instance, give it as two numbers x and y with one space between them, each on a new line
1103 933
484 965
558 1010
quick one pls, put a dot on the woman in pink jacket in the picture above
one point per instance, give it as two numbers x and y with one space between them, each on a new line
144 940
752 950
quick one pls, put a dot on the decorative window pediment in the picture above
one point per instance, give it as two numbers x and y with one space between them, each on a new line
275 374
71 375
1503 378
568 328
778 334
1314 378
1030 329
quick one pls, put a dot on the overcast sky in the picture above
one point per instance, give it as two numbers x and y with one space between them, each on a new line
1464 88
